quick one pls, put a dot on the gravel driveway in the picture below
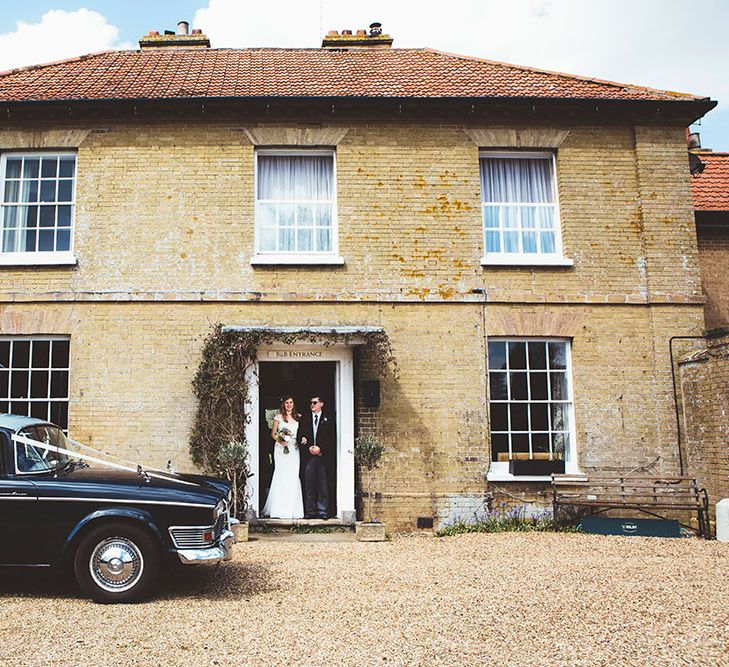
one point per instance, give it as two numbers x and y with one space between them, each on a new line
503 599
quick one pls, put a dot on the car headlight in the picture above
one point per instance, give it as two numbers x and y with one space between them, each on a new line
220 508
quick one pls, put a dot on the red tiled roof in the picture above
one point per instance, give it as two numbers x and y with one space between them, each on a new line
711 187
407 73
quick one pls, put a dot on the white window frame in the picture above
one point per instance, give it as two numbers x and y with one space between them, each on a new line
499 470
38 257
330 257
48 399
556 258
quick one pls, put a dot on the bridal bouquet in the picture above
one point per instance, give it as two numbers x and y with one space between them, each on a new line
284 437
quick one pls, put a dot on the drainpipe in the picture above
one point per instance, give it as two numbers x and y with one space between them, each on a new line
675 396
482 292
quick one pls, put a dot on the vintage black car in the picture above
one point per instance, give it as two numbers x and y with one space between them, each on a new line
115 526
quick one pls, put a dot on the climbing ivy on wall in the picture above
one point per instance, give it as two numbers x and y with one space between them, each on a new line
221 385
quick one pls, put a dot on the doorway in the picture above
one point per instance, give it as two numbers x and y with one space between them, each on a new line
303 367
302 380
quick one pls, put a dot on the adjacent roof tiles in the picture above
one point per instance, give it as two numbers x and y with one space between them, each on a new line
711 187
405 73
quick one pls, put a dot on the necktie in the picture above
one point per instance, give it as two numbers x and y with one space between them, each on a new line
316 420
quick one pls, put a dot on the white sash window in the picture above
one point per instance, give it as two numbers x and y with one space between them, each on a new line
295 207
530 402
38 206
519 206
34 377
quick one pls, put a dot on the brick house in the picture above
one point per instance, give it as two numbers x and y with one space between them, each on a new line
704 366
710 189
525 239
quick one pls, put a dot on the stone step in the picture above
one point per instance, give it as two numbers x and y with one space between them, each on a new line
289 523
293 536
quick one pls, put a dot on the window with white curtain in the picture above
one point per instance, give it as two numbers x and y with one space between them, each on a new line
519 205
38 201
295 203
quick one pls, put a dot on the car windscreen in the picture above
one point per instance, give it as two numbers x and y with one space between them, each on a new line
35 458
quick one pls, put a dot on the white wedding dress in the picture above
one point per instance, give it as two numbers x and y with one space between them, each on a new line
285 500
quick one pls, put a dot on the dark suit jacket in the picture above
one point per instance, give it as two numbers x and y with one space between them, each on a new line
326 436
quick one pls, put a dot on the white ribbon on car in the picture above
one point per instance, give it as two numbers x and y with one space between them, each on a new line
119 458
16 437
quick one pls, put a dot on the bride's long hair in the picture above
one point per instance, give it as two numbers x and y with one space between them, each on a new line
282 410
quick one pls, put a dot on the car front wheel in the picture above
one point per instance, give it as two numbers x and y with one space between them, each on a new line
117 562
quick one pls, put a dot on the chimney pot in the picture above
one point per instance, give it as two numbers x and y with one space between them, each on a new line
172 40
361 40
694 140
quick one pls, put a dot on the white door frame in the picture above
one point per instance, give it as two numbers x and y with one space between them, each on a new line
343 357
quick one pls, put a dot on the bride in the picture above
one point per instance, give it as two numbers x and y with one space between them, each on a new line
284 498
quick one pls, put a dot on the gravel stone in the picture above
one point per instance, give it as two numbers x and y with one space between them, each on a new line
502 599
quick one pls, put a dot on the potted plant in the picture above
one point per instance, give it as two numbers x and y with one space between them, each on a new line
232 463
368 451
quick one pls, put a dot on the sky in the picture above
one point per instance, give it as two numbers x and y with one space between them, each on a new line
666 44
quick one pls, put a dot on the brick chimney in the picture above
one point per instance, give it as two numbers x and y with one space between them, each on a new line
361 40
179 40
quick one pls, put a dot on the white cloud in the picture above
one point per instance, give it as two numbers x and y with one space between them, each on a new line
659 43
58 35
251 23
656 43
637 41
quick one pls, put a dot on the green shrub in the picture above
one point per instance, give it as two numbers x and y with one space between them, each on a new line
501 522
232 463
368 451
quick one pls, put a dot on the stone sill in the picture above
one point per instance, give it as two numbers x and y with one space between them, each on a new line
499 477
38 259
297 260
506 477
525 260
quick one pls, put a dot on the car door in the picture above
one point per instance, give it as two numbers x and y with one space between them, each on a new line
19 511
63 502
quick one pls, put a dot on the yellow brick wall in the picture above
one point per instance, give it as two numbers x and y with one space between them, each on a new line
168 209
132 364
164 237
704 376
714 260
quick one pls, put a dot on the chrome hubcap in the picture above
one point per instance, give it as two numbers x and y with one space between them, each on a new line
116 564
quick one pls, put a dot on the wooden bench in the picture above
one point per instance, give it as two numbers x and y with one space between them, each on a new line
655 496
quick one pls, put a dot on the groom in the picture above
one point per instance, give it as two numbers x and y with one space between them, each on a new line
317 435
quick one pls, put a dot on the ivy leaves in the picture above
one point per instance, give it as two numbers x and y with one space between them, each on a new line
221 385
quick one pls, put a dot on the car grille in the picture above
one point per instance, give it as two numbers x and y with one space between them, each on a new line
220 525
194 537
